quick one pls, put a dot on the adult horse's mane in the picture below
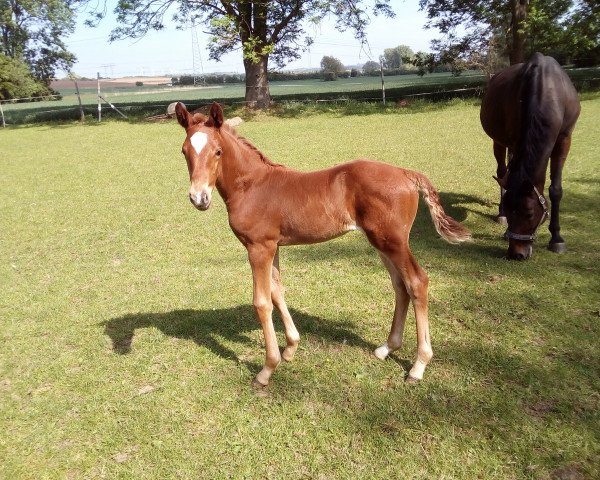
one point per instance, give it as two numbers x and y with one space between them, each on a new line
533 134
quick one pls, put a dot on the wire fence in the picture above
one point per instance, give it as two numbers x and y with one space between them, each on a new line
60 108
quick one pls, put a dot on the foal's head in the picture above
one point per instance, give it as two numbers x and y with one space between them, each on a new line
202 150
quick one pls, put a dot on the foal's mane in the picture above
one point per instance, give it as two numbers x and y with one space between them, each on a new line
244 141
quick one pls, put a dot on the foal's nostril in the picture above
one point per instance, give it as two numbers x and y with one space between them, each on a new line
200 200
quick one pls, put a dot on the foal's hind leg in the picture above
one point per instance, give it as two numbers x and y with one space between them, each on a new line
394 341
291 334
416 282
557 161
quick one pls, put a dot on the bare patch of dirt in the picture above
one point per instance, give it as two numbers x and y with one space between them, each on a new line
540 409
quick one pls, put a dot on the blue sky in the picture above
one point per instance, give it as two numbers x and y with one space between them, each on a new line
170 51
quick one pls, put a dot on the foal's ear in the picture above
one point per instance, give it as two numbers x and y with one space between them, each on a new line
183 116
215 116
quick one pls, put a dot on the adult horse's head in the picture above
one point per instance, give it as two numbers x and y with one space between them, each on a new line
202 150
525 209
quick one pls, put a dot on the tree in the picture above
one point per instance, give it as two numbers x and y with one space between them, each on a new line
16 80
491 30
331 67
424 62
371 67
32 31
264 30
397 57
583 33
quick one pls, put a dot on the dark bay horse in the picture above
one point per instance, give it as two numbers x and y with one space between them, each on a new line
531 110
270 205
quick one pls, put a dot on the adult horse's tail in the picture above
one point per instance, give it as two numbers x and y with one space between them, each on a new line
448 228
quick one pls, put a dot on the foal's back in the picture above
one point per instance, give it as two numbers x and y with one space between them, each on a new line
316 206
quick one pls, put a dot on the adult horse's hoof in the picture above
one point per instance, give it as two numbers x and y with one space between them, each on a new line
411 380
557 247
501 219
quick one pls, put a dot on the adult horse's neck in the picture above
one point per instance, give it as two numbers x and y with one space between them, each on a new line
241 164
532 169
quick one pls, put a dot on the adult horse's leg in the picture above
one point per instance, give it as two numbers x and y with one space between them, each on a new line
557 161
394 341
500 155
261 260
291 334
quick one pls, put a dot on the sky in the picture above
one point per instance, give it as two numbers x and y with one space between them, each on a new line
170 52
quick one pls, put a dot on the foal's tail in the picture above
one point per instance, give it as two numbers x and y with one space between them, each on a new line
448 228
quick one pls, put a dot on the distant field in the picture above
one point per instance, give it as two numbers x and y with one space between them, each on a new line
155 95
153 99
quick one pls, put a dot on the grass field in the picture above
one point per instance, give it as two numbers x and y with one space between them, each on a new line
129 343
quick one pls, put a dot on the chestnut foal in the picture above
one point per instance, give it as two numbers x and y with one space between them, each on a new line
270 205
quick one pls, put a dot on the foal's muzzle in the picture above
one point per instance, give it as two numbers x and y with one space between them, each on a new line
201 200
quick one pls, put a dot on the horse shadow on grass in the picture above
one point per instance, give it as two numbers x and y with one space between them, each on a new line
212 329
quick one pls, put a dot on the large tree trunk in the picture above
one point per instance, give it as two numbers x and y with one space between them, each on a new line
519 36
257 84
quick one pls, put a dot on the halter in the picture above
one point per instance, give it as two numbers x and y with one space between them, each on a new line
531 238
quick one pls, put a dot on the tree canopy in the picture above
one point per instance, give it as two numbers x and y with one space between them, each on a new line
16 80
487 32
31 34
398 56
272 31
371 67
332 65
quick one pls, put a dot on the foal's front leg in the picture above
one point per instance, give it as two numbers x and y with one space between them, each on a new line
261 260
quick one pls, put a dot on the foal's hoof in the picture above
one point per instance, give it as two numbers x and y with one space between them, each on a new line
382 352
557 247
288 354
410 380
501 219
258 385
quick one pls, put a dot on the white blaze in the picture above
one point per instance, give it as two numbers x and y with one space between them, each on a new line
198 141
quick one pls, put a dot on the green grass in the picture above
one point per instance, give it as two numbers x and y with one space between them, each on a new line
129 343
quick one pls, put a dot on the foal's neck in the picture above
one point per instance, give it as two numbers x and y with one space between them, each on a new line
242 163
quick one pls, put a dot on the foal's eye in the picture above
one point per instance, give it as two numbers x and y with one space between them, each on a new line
219 152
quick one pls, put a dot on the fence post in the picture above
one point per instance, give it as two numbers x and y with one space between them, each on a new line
99 99
382 82
81 112
2 115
